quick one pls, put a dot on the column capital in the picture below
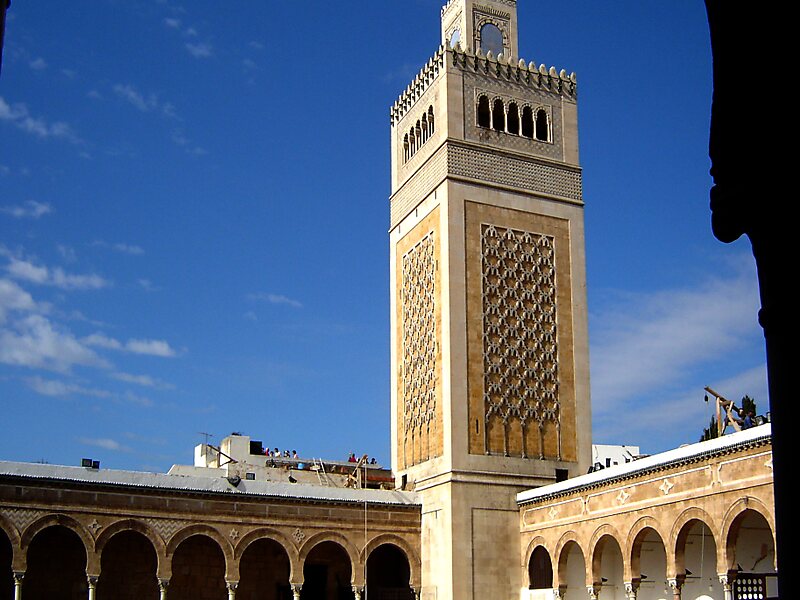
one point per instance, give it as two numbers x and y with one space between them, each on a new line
357 591
163 584
19 576
631 589
675 584
594 591
296 588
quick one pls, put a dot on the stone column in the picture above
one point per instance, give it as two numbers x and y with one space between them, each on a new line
163 584
296 587
558 594
631 588
357 591
232 585
92 581
675 585
727 585
594 591
18 577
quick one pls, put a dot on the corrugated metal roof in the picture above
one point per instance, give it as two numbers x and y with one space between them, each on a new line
208 485
656 461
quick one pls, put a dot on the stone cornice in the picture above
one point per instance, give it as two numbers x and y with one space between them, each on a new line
647 466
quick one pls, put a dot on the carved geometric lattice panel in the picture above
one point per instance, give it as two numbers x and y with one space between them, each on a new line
520 353
419 349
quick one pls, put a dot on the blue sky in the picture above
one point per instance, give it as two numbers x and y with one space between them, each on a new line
194 214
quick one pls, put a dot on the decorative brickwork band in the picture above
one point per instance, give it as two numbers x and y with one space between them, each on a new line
419 350
520 352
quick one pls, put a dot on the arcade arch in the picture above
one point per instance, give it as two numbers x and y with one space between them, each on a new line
198 570
128 567
389 573
55 565
327 572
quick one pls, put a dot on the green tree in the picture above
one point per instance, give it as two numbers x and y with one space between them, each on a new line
710 432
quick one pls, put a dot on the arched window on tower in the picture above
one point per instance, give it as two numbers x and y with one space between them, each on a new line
491 39
542 126
406 149
412 143
418 135
527 122
498 116
513 118
484 112
424 128
431 127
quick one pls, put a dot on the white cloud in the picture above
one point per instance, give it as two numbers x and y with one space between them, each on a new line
144 102
651 355
35 343
104 443
134 346
147 285
199 50
143 380
172 23
27 271
19 116
274 299
151 348
136 98
31 209
14 298
53 387
129 249
38 64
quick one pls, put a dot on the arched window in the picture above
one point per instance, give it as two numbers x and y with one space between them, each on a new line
527 122
484 112
424 128
431 127
542 126
455 37
513 118
498 116
412 142
491 39
406 148
418 135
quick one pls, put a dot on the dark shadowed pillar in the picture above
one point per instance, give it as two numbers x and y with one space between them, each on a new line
753 195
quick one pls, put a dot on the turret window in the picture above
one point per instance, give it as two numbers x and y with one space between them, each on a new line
419 133
512 119
484 112
528 122
542 126
498 116
491 39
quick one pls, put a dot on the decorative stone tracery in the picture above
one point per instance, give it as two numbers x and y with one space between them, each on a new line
419 348
520 351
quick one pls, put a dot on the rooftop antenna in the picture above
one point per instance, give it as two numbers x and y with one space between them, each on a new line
206 436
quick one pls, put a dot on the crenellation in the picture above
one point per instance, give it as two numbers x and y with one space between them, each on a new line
500 67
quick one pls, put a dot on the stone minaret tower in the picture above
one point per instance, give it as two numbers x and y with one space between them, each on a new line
490 373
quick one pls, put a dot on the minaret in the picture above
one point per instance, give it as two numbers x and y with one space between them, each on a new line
490 373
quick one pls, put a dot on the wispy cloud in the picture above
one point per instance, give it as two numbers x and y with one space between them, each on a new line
143 380
144 102
199 49
274 299
648 350
135 346
54 387
13 298
31 209
104 443
38 64
34 342
25 270
19 116
120 247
